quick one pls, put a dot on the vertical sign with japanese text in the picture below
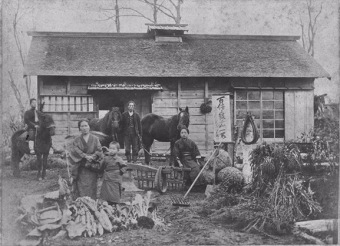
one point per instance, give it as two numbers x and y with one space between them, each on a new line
221 114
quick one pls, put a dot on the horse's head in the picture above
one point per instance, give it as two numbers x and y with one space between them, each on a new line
46 123
115 118
183 118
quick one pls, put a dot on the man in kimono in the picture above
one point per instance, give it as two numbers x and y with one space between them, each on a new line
32 122
132 129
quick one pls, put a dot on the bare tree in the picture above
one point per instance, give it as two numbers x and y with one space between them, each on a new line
168 11
309 30
117 14
18 43
158 6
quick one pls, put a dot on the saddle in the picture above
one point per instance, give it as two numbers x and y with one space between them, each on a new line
22 142
23 136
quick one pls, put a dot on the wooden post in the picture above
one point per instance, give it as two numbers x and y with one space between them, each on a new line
214 171
40 88
206 98
179 90
68 107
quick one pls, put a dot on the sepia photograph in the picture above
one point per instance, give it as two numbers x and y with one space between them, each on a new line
169 122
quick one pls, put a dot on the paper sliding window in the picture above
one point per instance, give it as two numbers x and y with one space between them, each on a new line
221 114
67 103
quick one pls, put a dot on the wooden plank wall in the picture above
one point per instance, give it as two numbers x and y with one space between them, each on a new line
191 93
67 101
299 113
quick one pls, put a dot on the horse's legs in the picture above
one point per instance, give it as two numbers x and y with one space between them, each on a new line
147 142
172 162
39 165
44 165
15 160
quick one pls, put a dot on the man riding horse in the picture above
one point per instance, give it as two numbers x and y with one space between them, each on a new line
32 122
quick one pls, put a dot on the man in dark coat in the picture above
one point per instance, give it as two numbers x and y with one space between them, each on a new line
131 127
32 122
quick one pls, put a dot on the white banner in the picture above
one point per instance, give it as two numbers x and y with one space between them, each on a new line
222 122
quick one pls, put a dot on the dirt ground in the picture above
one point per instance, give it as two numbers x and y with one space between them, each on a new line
184 226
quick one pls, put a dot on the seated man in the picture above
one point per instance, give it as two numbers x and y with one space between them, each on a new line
32 122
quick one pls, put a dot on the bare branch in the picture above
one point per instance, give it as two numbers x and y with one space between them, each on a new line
163 9
316 17
139 14
173 3
16 91
108 18
105 9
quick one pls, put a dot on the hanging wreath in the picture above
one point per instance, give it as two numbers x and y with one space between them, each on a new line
249 122
205 108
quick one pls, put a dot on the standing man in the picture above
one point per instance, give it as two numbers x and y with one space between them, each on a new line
131 127
32 122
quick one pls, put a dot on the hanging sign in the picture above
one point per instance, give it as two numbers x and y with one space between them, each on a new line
124 86
221 114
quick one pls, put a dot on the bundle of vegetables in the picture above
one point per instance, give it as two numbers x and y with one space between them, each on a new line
279 196
220 160
287 201
268 159
82 217
90 217
208 176
231 179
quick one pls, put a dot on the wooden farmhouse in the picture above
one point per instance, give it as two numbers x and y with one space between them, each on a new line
80 75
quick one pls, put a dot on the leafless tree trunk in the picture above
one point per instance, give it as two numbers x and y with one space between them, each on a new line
308 33
155 11
17 93
19 46
117 20
177 18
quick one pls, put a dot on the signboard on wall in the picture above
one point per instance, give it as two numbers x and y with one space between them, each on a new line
222 121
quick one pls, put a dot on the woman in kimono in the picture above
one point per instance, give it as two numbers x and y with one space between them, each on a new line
187 154
88 148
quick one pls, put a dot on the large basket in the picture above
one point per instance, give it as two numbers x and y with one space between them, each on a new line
173 178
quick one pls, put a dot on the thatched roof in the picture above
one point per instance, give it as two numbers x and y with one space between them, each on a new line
138 55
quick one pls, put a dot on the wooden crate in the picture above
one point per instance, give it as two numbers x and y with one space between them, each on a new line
145 176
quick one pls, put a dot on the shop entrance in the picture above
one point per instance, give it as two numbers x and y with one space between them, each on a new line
106 99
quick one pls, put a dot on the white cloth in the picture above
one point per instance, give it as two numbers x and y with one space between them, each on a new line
130 113
247 172
35 116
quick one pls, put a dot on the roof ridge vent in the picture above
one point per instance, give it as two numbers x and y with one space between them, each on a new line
167 33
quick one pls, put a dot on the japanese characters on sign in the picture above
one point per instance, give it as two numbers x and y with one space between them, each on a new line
124 86
221 114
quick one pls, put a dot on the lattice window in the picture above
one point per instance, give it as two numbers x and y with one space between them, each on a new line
67 103
267 107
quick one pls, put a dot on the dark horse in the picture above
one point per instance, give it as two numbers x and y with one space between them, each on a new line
42 145
163 130
109 124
